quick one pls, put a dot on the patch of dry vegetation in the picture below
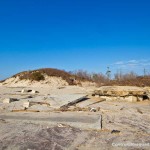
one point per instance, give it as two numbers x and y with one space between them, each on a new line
1 81
37 75
128 79
140 81
76 77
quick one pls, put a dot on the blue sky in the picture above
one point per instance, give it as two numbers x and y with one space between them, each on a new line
74 34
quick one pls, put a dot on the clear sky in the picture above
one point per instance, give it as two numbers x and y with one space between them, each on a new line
74 34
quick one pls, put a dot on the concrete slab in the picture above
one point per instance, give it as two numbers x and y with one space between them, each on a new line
83 121
58 101
89 102
9 100
26 104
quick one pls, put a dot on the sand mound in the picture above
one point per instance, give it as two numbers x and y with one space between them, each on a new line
47 77
48 82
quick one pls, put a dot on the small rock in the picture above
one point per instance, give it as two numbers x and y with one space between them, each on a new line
34 92
139 111
61 87
2 120
30 96
60 126
89 108
93 110
115 132
122 108
98 109
25 91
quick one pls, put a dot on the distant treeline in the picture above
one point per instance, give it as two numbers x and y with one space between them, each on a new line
76 77
120 79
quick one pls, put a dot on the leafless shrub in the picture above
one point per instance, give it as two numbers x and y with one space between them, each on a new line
76 77
82 74
99 78
128 76
38 75
130 79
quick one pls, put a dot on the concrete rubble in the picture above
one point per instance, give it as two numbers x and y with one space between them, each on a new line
93 116
29 91
115 93
9 100
26 105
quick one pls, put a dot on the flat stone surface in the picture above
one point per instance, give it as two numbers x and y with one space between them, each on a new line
79 120
62 100
71 130
89 102
120 91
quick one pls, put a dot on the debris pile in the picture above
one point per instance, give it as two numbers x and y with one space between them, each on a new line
122 93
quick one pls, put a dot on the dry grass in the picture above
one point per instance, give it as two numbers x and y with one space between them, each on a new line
137 81
76 77
39 75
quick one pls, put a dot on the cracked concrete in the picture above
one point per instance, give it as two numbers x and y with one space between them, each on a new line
77 128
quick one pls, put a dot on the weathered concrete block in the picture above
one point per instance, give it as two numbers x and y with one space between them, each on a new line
29 91
122 99
148 96
26 104
107 98
131 99
93 110
9 100
34 92
140 98
24 91
97 96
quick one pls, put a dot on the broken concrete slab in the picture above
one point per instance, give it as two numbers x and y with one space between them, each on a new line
89 102
9 100
25 91
40 108
39 103
83 121
66 100
121 93
29 91
34 92
82 98
131 99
